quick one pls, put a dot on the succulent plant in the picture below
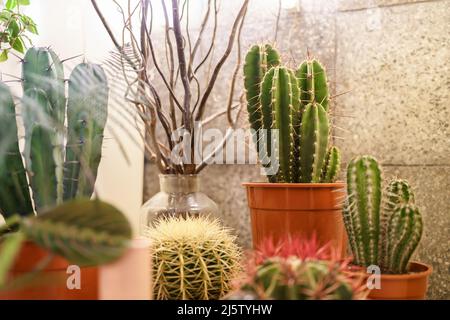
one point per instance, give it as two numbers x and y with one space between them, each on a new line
384 228
54 177
295 104
193 259
295 271
85 232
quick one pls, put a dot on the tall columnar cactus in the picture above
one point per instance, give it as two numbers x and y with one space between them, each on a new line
44 108
383 229
258 61
14 191
86 116
295 104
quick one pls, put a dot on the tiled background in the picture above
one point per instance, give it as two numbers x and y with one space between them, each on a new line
394 57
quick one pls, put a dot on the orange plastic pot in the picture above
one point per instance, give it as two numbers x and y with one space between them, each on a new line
279 210
51 282
410 286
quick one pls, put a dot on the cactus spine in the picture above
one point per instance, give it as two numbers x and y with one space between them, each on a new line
295 103
380 235
44 107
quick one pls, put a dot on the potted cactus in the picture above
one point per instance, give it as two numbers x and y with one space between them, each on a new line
60 164
384 229
296 269
289 116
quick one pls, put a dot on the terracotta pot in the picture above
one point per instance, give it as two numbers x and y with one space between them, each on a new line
297 209
410 286
51 282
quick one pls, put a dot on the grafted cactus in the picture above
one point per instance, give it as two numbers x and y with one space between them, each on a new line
384 235
295 104
44 107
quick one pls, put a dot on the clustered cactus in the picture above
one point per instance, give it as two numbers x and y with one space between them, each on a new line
193 259
295 104
316 275
384 228
56 172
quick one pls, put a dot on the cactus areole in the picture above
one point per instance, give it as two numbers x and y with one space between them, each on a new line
289 114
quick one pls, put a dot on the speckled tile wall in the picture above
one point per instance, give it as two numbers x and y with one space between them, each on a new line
394 56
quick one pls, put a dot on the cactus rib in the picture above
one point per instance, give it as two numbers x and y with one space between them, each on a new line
14 193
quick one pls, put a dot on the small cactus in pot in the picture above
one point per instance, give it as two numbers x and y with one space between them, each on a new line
289 115
384 228
298 270
294 105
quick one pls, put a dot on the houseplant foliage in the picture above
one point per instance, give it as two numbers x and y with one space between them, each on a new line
193 259
15 28
384 227
58 171
85 232
296 269
296 104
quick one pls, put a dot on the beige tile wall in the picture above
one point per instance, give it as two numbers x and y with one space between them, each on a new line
394 57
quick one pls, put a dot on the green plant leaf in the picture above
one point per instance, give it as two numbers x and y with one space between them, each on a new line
18 45
24 2
4 56
85 232
11 4
9 249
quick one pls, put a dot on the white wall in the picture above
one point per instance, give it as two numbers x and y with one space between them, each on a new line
71 27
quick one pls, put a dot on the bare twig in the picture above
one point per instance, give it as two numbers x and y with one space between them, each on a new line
240 16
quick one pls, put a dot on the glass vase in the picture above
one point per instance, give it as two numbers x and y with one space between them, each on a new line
179 196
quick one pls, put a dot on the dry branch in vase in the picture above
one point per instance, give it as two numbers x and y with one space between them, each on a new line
181 105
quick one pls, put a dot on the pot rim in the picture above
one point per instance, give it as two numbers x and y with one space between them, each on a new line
409 276
338 184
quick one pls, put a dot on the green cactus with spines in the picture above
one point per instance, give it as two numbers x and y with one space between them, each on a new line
332 164
383 235
313 83
296 104
295 279
14 192
404 230
314 135
86 115
193 259
43 72
44 107
364 207
258 61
